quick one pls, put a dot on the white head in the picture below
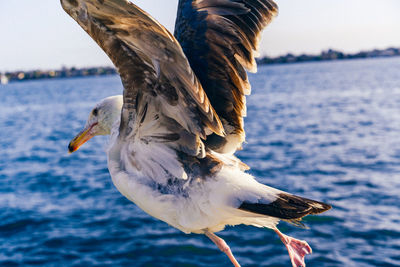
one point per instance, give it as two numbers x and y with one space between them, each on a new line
100 121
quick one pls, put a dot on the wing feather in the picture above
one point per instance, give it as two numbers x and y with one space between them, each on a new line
220 39
286 206
165 110
149 60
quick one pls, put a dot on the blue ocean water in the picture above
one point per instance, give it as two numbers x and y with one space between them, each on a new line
327 131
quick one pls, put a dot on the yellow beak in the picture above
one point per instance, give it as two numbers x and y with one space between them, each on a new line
81 138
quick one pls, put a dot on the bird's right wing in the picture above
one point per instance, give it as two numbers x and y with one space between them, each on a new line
165 111
220 38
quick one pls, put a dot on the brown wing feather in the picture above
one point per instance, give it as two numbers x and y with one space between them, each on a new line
151 63
219 38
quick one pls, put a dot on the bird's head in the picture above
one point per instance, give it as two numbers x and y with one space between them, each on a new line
100 121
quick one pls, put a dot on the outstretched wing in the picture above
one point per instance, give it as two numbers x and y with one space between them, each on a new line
220 38
165 108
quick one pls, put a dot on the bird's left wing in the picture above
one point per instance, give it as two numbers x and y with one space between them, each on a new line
164 104
220 39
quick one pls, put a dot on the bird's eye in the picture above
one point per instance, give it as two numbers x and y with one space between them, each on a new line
95 112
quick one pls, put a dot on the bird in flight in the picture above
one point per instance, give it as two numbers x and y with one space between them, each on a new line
175 129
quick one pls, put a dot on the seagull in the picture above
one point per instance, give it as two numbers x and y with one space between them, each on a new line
174 131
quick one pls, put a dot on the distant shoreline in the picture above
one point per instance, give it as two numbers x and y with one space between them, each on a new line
51 74
329 55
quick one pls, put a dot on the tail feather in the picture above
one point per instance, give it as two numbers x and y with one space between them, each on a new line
287 207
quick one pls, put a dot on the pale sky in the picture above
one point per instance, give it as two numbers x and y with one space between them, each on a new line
39 34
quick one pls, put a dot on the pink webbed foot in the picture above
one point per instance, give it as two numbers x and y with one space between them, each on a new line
297 249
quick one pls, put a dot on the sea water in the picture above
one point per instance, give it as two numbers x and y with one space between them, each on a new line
328 131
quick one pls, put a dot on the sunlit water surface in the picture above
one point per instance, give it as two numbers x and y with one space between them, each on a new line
326 131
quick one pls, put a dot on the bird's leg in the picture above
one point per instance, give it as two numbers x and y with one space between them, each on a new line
221 244
297 248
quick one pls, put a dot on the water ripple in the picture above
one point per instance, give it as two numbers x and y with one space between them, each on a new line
327 131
